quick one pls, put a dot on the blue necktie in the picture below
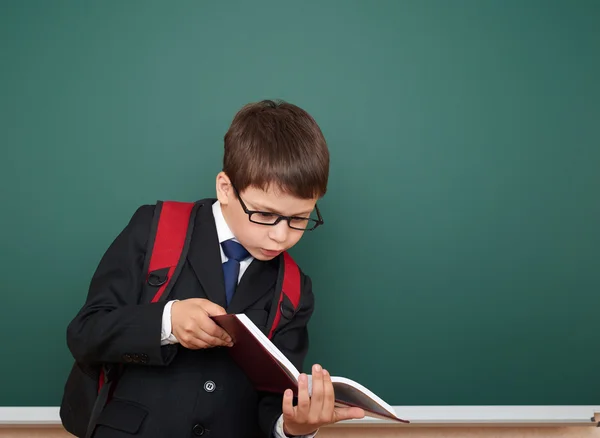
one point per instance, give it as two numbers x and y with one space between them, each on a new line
231 268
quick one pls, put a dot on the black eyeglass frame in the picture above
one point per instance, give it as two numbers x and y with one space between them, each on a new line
280 217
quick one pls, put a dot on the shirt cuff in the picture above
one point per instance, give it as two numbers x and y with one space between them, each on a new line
278 430
166 337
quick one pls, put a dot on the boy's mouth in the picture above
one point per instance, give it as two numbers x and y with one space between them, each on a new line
270 252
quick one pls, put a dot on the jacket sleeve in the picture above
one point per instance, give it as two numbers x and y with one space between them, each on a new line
293 341
112 327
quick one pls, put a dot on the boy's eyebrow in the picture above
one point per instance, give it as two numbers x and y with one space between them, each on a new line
261 207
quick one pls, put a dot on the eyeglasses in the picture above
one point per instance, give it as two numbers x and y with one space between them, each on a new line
270 218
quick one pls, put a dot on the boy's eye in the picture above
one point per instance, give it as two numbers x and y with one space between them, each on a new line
299 221
265 216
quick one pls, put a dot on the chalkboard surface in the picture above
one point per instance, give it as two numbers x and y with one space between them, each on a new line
459 261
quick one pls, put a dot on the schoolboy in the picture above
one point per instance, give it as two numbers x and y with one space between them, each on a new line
178 380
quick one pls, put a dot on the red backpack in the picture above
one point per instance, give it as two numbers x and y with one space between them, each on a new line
169 241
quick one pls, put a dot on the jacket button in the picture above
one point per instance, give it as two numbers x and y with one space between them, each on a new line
209 386
127 357
198 430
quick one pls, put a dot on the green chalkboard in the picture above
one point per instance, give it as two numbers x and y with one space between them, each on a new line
459 263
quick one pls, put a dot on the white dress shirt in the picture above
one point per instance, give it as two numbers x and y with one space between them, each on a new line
224 233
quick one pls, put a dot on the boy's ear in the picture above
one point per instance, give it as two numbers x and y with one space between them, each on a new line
224 189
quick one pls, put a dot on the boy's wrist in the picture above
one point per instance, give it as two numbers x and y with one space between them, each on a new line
281 432
167 336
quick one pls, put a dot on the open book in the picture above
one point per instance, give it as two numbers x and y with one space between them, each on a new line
269 370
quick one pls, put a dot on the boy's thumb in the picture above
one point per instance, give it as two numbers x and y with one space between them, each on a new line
213 309
348 413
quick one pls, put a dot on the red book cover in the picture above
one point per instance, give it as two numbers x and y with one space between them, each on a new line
264 371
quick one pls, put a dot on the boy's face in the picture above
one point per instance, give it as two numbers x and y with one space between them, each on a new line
264 242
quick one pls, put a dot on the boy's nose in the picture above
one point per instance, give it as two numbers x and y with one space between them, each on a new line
279 232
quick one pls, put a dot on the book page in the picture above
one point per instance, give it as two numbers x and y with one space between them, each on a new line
354 394
288 367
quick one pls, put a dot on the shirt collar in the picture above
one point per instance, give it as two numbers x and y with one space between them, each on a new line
223 231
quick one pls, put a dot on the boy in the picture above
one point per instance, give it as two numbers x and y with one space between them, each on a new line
178 380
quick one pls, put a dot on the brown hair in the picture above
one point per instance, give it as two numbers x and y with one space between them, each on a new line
275 142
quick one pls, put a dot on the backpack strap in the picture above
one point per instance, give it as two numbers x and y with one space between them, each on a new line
168 245
290 289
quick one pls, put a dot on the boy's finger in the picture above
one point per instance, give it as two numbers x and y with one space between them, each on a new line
303 407
316 399
209 339
194 344
212 329
328 397
288 406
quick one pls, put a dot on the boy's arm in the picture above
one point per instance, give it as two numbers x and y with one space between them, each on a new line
292 340
112 327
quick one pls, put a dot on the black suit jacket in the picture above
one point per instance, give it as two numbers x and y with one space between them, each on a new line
170 391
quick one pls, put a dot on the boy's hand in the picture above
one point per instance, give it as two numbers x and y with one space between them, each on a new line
192 326
318 410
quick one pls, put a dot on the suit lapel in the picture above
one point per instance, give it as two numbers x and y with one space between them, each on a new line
205 255
258 279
